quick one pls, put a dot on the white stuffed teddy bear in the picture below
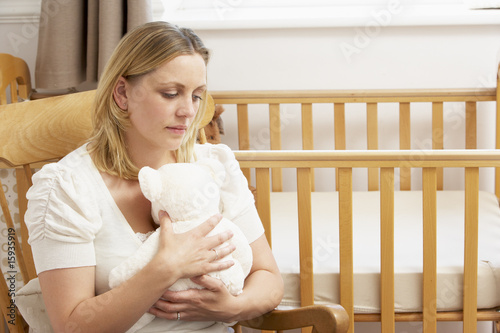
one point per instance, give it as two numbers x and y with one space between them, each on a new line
190 194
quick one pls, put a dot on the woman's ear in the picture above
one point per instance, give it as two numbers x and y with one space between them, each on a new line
120 93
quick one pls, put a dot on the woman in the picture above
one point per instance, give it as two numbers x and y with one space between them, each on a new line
86 213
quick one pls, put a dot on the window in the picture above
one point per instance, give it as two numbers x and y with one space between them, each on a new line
248 14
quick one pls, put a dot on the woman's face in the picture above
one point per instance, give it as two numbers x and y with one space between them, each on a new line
162 104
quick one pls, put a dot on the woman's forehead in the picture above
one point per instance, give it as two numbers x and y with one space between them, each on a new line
184 69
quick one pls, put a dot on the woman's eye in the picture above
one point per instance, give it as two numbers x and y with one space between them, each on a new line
197 98
168 95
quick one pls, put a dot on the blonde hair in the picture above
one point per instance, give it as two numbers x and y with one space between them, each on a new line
141 51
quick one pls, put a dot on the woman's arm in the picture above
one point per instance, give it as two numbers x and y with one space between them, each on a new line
69 293
262 292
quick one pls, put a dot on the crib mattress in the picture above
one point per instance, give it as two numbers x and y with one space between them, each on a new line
407 254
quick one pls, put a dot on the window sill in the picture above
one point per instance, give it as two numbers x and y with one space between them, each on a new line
226 17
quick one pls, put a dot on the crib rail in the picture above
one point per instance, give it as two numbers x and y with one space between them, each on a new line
374 99
430 162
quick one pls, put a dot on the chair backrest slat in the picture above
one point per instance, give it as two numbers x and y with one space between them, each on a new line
15 77
13 243
14 74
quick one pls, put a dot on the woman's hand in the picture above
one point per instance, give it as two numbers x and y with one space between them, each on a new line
209 304
262 292
191 253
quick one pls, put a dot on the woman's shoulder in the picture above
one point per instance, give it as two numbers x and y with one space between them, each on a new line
62 204
65 171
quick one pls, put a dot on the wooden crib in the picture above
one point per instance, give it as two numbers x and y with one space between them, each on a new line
265 159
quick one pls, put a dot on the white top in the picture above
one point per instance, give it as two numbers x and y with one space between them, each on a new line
73 220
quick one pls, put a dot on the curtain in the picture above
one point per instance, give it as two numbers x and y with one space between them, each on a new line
77 37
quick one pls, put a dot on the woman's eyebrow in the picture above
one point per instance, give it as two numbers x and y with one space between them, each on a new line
202 87
179 85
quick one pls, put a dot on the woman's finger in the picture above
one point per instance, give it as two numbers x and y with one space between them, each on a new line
219 265
221 252
218 239
165 221
208 225
208 282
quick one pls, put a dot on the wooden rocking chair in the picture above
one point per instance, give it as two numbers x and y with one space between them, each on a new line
36 132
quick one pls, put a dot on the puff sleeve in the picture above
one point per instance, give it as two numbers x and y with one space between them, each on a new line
62 219
238 204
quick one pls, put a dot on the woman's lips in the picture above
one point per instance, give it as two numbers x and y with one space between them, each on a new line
177 129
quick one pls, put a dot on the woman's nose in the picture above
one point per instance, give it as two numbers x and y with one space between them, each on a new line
188 108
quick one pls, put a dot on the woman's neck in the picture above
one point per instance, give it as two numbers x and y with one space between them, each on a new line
154 157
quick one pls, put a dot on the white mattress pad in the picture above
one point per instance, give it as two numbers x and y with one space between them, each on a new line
408 255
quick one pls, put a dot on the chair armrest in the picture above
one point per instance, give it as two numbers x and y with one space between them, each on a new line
323 318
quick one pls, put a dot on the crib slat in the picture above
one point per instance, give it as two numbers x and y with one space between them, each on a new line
339 115
470 248
264 205
437 136
305 236
470 125
346 243
387 249
307 133
264 200
275 137
372 142
243 133
404 143
307 127
429 188
339 128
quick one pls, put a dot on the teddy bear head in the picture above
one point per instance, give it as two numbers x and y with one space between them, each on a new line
186 191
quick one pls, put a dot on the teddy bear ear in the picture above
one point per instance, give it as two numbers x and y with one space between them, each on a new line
150 183
216 169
